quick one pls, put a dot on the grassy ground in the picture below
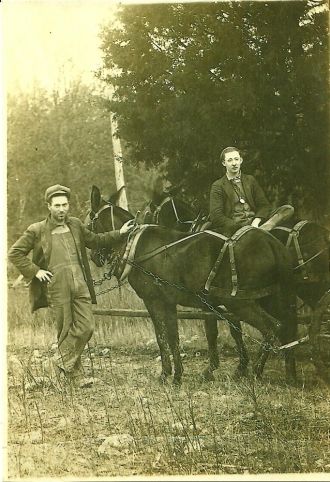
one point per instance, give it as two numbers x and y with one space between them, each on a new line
128 424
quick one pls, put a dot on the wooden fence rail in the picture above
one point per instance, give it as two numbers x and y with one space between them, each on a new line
182 314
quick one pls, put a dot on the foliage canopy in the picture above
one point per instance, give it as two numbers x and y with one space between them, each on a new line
190 79
60 138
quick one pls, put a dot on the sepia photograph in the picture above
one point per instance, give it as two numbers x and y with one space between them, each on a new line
167 244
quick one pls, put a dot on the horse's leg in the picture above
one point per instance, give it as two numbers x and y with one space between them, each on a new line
211 331
253 314
173 340
287 312
236 332
288 333
158 314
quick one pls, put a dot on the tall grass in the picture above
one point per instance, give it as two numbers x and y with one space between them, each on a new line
128 424
26 329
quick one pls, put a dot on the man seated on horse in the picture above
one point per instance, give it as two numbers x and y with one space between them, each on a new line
237 200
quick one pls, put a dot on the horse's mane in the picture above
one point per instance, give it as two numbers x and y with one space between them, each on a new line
123 211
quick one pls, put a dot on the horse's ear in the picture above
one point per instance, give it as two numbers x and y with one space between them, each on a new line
113 199
95 199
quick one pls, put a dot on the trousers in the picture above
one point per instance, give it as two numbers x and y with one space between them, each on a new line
70 303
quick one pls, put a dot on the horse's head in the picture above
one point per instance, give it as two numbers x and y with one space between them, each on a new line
166 209
147 214
104 216
176 214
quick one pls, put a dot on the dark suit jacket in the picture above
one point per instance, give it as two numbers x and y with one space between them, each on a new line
223 199
38 238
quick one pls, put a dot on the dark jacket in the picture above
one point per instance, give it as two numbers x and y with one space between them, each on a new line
38 238
223 199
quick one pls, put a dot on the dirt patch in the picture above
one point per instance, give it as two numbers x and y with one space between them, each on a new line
129 424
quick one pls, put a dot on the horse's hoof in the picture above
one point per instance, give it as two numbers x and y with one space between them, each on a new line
207 376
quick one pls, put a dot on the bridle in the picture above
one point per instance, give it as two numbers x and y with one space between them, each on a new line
94 216
156 212
293 241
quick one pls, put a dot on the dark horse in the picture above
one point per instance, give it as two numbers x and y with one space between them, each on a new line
170 268
308 244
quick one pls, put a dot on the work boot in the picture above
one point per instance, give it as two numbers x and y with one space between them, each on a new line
282 214
78 378
55 373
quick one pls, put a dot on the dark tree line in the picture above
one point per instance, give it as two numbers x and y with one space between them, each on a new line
191 79
60 138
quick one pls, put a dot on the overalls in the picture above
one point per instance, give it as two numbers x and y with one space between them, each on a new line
69 300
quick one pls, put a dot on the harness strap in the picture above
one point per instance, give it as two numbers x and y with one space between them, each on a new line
178 220
159 207
215 267
130 252
299 253
294 232
234 279
112 218
293 236
282 228
159 250
175 211
215 234
230 243
103 208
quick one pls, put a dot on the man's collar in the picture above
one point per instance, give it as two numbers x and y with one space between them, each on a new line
234 178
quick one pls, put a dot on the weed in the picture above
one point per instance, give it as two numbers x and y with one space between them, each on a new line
228 427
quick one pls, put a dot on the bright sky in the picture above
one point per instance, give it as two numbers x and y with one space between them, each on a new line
50 42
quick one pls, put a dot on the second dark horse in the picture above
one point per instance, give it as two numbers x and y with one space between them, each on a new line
165 278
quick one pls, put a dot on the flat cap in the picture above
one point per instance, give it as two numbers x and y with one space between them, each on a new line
57 190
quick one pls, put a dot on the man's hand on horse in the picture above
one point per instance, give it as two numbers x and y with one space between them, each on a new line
44 275
127 227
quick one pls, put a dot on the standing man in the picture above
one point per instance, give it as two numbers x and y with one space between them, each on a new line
237 200
60 276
